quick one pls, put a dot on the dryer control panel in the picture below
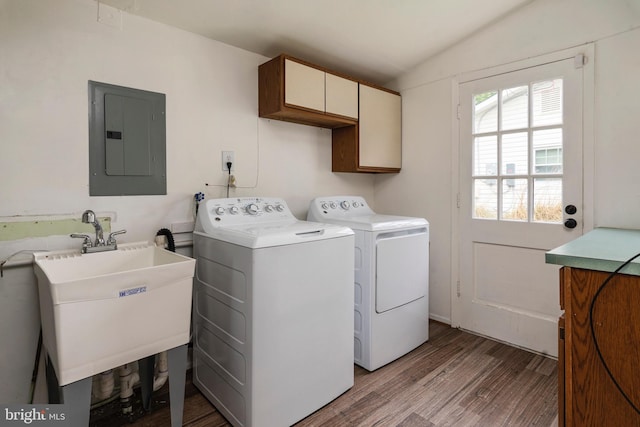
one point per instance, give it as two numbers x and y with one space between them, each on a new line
338 207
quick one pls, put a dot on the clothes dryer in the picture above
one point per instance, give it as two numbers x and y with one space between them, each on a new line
391 310
272 311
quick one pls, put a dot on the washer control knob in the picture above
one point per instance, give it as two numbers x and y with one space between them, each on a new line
344 205
268 208
279 208
332 205
252 209
356 204
234 210
324 206
220 210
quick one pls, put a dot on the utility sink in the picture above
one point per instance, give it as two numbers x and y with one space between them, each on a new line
101 310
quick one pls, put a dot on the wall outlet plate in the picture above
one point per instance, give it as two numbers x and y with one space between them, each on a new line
228 156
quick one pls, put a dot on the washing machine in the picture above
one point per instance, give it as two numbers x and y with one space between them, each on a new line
272 311
391 310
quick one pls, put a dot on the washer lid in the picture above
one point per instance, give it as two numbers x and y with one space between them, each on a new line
279 233
378 222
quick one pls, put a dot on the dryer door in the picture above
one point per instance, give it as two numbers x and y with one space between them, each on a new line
402 268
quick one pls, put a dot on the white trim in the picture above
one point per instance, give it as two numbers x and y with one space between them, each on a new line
588 138
586 49
455 197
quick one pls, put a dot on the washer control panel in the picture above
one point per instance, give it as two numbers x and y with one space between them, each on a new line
244 210
339 207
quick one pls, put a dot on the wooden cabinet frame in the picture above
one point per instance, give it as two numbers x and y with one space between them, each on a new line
345 130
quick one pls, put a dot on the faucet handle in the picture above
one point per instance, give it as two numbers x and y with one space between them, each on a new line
87 240
112 240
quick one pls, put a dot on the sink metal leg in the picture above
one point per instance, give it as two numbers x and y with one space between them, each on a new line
76 398
146 370
177 375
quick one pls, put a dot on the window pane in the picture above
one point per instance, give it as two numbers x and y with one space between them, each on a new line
547 200
485 198
547 102
547 146
515 108
485 156
485 112
515 159
515 199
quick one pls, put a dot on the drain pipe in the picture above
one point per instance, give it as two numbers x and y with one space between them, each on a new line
103 385
128 379
162 371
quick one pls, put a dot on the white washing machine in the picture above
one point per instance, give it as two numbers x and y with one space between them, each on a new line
272 311
391 278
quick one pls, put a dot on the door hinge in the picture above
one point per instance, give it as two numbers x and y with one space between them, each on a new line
458 111
458 200
458 288
580 60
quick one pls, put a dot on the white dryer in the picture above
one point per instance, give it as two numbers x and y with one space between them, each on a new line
272 311
391 278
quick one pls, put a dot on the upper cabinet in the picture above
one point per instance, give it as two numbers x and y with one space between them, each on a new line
295 91
366 119
380 128
341 96
375 143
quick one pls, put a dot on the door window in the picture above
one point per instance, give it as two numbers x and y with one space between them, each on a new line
517 161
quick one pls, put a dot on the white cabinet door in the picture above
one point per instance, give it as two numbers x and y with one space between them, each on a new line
341 96
380 128
304 86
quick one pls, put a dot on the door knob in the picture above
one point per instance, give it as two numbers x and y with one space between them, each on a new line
570 209
570 223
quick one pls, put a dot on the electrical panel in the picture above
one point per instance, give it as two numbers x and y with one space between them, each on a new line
127 141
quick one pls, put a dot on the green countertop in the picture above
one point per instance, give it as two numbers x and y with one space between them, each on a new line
603 249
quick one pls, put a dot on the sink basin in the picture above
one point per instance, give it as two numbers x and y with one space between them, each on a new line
101 310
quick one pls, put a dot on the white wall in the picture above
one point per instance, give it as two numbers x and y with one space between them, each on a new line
48 52
426 185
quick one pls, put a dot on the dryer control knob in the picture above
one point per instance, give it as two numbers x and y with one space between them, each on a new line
252 209
220 210
324 206
332 205
344 205
234 210
279 208
268 208
356 204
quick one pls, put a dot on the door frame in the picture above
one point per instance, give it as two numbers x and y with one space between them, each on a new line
588 141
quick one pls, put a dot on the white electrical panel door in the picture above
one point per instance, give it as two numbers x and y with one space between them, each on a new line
304 86
341 96
402 270
380 128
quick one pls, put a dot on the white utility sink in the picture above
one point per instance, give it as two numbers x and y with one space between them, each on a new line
101 310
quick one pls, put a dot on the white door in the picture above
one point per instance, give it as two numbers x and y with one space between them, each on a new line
520 196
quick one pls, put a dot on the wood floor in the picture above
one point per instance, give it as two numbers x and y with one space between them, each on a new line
455 379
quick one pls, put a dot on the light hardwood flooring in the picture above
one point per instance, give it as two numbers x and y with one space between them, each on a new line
455 379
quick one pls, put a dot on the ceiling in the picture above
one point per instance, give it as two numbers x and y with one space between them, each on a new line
375 40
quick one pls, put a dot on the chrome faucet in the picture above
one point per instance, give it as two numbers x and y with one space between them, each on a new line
89 217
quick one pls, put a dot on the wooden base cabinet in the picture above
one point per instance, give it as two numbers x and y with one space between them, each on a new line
587 394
